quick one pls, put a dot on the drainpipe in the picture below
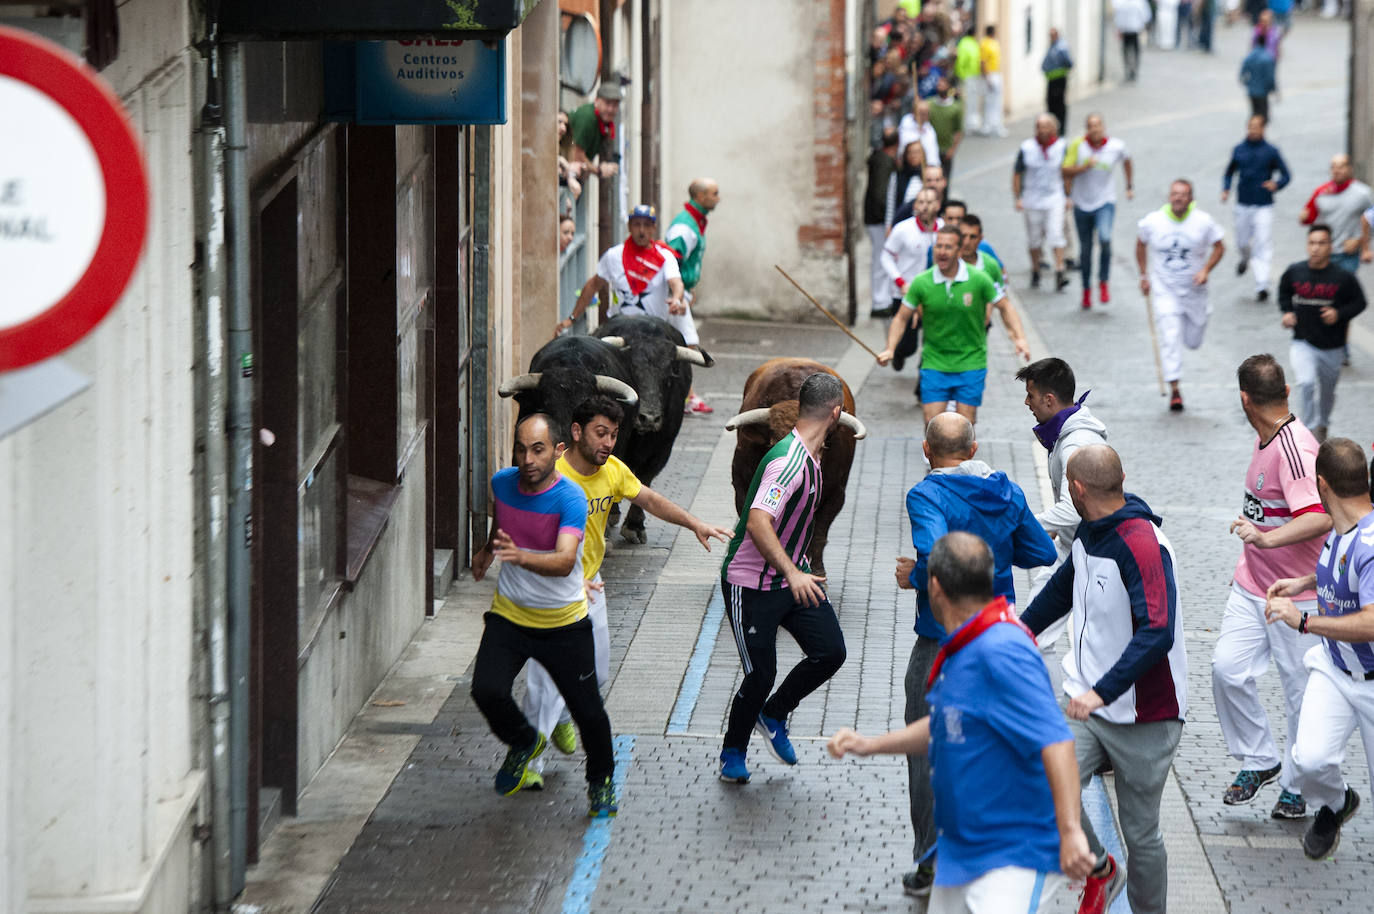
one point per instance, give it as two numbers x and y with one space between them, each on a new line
239 532
480 368
210 384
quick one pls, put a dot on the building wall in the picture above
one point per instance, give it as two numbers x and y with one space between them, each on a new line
1362 90
766 120
1079 24
98 584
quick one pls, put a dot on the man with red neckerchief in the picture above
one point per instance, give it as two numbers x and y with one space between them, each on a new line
1339 204
1008 842
638 276
687 237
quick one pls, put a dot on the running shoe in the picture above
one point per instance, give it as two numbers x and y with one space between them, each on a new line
1035 279
1100 890
1176 402
1103 294
1241 266
1087 299
515 771
1324 836
1290 806
917 883
774 733
732 767
601 798
1247 784
699 407
534 780
564 738
1060 281
1262 295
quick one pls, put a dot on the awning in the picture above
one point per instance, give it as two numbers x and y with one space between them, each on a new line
274 20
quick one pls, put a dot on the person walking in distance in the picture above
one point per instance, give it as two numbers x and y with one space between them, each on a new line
1063 426
990 70
768 584
1006 842
947 117
1126 670
952 302
1056 66
1257 75
1261 173
1176 248
959 493
539 612
915 127
1281 528
1131 17
1340 684
605 480
882 165
1089 165
1037 183
1318 300
687 239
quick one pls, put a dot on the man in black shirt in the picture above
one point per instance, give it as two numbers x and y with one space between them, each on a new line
882 163
1318 299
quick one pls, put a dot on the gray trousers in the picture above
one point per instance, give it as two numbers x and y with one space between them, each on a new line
918 766
1315 373
1141 755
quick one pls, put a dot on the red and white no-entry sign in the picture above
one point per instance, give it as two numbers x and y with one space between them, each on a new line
73 199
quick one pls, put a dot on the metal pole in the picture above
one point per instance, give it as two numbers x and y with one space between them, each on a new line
480 387
239 531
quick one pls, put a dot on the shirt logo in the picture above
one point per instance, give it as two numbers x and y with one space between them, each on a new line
1176 254
1340 566
1253 509
968 299
1259 481
772 496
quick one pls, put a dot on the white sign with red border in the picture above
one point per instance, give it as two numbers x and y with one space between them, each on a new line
73 199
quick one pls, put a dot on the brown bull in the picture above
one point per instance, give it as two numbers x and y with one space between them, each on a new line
767 414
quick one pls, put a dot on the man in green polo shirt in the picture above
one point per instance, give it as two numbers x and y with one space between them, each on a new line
687 238
953 302
947 117
592 127
970 236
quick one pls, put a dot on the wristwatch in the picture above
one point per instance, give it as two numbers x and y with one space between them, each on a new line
1302 624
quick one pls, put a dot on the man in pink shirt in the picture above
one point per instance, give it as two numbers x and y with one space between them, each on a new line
1282 527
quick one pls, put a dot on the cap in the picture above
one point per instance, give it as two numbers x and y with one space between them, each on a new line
611 91
644 211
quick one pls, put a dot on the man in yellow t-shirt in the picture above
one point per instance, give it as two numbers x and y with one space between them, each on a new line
990 71
606 480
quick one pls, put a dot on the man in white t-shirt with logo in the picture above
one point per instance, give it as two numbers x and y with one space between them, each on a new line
1176 248
1089 166
1037 183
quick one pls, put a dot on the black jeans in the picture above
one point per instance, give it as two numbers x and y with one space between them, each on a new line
1130 53
918 766
569 656
755 617
1055 102
1259 104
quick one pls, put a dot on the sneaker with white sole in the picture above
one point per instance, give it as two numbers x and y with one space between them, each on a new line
774 733
732 766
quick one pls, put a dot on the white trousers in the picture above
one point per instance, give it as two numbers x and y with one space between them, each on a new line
1246 644
1178 327
1005 890
1044 226
1315 373
877 277
1254 235
543 704
992 103
1335 704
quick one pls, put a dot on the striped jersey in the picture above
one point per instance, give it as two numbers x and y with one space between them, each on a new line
787 485
1345 583
534 522
1280 484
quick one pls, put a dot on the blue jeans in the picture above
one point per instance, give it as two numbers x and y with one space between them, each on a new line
1085 221
1348 262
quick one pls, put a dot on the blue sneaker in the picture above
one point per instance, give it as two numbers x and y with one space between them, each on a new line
774 733
732 767
515 771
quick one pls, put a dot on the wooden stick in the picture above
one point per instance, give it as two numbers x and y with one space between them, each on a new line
1154 343
819 307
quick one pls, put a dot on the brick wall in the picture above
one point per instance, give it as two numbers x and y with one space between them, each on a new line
824 233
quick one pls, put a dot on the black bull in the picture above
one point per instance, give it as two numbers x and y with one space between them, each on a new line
642 362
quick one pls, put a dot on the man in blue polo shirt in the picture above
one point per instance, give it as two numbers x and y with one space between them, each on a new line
1002 758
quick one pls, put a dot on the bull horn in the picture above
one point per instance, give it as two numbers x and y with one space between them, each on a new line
748 417
688 354
518 383
622 391
852 423
617 341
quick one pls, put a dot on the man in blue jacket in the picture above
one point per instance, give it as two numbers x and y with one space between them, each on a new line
1262 172
959 493
1257 75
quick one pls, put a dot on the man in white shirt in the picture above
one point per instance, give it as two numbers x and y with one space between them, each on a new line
915 127
1037 183
1186 244
1089 163
905 254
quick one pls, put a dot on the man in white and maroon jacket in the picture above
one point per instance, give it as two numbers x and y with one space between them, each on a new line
1125 673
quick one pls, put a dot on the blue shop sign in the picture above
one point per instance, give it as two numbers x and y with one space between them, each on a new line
429 81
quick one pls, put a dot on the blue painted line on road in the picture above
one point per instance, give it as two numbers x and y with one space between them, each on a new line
1099 810
696 667
587 872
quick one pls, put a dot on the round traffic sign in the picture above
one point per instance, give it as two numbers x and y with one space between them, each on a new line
73 199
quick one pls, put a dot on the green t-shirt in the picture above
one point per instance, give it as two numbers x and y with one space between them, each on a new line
954 315
584 129
947 121
968 58
989 265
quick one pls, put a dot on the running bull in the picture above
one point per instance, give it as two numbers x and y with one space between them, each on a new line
768 412
639 360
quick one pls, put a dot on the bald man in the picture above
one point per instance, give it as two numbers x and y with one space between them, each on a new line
687 238
959 493
1038 187
1125 673
1339 203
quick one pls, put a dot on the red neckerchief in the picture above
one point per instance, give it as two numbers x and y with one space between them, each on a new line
642 263
1096 145
934 226
697 215
1309 210
1045 147
607 128
995 612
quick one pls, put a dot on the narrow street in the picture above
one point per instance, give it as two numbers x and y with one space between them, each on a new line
829 836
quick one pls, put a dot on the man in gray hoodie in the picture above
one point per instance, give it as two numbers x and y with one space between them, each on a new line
1065 425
